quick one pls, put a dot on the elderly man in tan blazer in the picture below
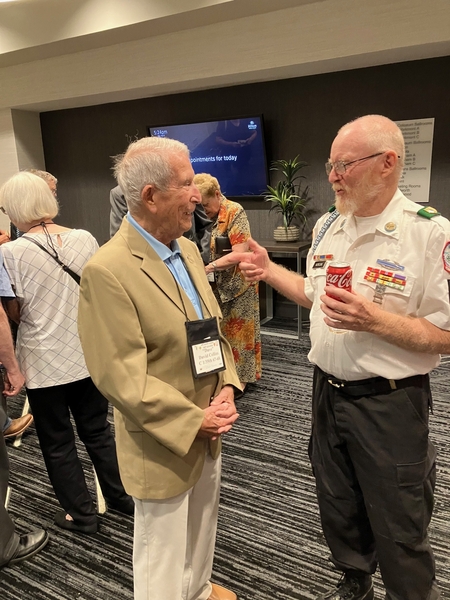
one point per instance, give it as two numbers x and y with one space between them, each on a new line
149 326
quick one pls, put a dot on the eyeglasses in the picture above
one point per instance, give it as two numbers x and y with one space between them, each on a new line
3 210
340 166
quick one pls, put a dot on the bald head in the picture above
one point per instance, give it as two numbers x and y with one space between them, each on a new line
375 133
365 165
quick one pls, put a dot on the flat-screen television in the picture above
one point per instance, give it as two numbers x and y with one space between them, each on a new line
232 150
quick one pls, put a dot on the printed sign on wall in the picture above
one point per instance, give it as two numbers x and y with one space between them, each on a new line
415 180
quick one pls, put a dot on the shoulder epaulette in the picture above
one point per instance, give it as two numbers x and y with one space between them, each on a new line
428 212
332 209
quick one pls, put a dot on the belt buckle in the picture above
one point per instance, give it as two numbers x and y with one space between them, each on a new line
335 384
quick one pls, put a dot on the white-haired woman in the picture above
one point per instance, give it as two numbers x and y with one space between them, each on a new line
50 354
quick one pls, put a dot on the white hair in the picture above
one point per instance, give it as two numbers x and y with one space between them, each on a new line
27 198
146 161
45 175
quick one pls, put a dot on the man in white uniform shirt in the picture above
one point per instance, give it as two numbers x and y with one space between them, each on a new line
373 348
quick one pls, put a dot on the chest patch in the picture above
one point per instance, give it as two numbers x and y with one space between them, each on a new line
446 257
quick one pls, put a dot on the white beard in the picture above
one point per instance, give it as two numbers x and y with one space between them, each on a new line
347 206
361 194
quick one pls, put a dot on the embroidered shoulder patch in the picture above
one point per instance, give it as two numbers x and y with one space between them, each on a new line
428 212
446 257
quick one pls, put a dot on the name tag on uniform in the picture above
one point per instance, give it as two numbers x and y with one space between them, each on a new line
319 264
205 347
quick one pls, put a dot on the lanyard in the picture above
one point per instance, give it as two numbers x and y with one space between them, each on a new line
204 343
331 218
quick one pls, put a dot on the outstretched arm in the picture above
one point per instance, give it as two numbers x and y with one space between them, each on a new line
257 266
227 261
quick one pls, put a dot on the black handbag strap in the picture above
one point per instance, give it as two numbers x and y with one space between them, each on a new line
64 267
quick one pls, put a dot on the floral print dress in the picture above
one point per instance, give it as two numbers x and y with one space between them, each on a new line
237 298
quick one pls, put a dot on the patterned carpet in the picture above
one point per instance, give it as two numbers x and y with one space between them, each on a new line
269 542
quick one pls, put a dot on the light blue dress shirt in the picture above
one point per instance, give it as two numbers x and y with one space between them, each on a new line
6 290
172 259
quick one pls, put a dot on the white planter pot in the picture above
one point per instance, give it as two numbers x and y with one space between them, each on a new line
290 234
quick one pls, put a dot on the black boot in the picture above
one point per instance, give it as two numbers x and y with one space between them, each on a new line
351 587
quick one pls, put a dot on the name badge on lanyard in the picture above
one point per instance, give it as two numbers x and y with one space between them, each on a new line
205 348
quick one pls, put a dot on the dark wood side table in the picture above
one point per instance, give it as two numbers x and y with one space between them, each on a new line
289 248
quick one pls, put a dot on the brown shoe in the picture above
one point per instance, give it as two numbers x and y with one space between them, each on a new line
220 593
18 426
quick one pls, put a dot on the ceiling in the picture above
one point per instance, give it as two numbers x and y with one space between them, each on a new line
36 29
57 54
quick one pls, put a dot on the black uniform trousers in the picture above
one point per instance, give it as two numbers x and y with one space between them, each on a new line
51 408
375 472
9 540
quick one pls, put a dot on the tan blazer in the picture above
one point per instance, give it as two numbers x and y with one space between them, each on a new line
132 319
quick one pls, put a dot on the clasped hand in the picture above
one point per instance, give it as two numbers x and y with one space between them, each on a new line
220 415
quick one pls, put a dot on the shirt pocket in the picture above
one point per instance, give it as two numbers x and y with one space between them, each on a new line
394 300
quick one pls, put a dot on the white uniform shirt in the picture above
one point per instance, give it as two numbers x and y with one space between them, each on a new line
48 348
401 236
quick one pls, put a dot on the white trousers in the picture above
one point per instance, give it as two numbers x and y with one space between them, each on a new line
174 541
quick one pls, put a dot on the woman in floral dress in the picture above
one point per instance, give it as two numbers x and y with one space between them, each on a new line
237 298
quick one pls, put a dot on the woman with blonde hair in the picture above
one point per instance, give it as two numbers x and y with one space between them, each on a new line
44 266
238 299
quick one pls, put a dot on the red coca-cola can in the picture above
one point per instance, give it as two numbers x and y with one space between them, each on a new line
339 274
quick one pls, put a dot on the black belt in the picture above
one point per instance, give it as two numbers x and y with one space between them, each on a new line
375 385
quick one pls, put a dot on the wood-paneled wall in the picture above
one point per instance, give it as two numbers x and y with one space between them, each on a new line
301 116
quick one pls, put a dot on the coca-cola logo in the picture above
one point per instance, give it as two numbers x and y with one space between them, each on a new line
340 280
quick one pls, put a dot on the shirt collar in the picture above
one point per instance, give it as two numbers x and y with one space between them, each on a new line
161 249
388 221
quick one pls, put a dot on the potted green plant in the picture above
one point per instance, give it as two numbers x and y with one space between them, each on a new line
289 198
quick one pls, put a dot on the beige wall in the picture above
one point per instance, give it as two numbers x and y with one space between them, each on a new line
310 38
20 145
27 133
